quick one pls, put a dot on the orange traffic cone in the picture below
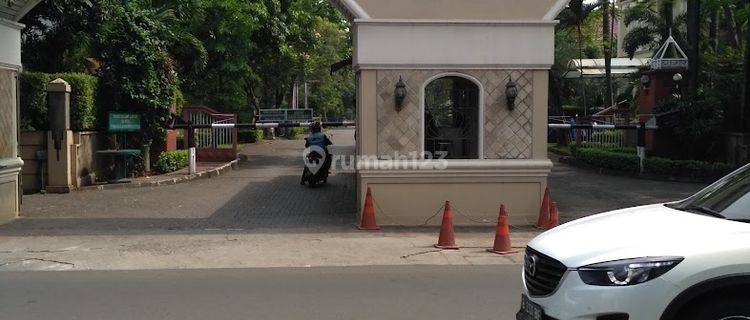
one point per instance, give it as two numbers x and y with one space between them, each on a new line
544 211
368 214
447 239
502 236
554 219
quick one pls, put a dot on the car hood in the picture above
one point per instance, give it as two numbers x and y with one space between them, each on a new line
654 230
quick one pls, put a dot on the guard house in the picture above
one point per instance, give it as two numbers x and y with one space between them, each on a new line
467 79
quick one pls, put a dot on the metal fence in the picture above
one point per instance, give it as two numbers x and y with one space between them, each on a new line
217 142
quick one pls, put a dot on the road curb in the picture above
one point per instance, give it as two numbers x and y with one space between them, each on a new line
206 174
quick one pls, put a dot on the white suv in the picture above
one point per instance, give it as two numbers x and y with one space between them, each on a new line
687 260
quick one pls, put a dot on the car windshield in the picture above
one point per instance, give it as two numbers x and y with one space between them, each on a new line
727 198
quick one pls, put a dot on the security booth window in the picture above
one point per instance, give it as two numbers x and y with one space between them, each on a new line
451 119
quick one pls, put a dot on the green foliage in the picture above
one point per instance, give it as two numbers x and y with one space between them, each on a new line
84 112
34 100
617 160
250 136
607 159
138 73
171 161
650 24
685 168
697 125
233 55
296 132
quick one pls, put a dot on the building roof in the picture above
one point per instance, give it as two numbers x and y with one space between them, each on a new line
505 10
594 68
14 10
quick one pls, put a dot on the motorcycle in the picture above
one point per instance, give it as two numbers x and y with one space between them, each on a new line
313 159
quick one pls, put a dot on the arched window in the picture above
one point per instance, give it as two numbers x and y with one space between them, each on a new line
451 118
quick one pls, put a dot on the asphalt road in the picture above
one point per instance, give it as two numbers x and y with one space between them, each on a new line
413 292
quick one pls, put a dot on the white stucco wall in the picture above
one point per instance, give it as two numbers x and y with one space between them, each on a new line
471 44
10 44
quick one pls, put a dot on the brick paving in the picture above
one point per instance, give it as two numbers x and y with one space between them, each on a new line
263 193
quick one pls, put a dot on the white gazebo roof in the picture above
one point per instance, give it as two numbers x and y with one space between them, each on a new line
595 68
661 60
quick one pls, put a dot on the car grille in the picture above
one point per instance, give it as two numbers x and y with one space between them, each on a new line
546 273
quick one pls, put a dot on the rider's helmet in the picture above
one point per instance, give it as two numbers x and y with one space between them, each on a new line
315 126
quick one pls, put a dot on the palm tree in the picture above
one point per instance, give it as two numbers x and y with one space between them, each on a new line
574 16
694 37
607 43
651 23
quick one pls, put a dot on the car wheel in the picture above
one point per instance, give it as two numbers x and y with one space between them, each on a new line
733 308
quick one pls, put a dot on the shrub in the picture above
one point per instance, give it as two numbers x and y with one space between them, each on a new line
607 159
84 114
171 161
34 100
296 132
685 168
629 162
250 136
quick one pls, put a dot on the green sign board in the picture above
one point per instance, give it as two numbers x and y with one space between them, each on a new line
299 115
286 115
124 122
272 115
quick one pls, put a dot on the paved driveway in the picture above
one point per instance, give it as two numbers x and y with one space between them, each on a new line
265 193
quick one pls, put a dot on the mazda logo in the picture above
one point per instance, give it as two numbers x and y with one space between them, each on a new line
531 262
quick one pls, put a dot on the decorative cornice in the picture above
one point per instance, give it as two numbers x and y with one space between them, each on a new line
407 66
555 10
10 166
454 168
12 24
443 22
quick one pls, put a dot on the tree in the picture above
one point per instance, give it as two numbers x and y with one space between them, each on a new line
137 72
650 23
607 44
576 14
694 36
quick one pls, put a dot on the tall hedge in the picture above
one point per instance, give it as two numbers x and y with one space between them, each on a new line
84 112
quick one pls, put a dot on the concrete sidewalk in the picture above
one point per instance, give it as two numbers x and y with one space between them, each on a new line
238 249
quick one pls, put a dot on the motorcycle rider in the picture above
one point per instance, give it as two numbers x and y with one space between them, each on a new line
319 139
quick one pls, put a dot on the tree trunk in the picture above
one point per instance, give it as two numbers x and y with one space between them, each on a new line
734 28
713 29
580 61
693 31
606 39
746 96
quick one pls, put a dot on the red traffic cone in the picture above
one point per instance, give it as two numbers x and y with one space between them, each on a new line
544 211
502 236
368 214
554 219
447 239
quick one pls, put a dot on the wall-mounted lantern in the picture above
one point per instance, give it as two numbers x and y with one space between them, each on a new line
511 92
676 91
645 81
400 93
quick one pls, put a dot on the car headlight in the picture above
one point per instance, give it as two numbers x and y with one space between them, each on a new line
627 272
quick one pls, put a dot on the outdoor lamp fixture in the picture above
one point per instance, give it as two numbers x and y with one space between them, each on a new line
400 93
676 92
511 92
645 81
